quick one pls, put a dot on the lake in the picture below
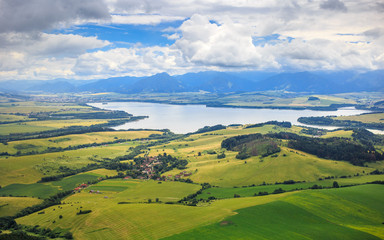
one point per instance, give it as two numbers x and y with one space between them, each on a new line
189 118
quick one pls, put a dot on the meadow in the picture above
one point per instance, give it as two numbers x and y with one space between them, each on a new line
365 118
229 172
346 213
9 206
45 190
316 215
119 208
73 140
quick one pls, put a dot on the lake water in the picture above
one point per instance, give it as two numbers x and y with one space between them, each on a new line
189 118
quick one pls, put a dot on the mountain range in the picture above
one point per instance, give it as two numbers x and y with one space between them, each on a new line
211 81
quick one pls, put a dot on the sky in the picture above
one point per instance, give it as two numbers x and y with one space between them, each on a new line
97 39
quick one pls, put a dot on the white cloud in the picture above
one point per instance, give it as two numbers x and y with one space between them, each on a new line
133 62
147 19
226 44
217 34
42 56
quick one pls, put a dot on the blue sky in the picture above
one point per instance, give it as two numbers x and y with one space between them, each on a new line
93 39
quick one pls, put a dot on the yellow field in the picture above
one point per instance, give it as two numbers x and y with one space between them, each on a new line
340 133
67 123
9 118
9 206
104 172
366 118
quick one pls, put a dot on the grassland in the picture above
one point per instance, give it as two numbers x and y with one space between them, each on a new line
110 220
22 128
9 206
138 209
31 168
229 172
43 144
347 213
45 190
11 118
365 118
361 206
250 191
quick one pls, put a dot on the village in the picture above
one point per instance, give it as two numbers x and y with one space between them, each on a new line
146 168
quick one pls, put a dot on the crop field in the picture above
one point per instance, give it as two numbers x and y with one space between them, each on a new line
110 220
339 133
118 208
44 190
228 172
23 127
42 144
31 168
365 118
11 118
353 212
9 206
346 213
288 165
221 193
27 107
270 100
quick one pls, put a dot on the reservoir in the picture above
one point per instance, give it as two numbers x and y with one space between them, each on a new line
189 118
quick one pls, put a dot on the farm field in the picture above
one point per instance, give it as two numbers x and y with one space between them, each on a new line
44 190
31 168
42 144
365 118
229 171
347 213
156 184
249 191
158 220
11 205
135 220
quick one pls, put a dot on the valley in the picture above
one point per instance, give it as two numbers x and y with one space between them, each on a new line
79 177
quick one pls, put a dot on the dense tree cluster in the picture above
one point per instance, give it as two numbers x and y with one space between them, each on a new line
251 145
329 121
332 148
277 123
210 129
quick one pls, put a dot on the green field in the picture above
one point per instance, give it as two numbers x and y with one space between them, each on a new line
221 193
149 209
31 168
42 144
365 118
9 206
347 213
44 190
352 213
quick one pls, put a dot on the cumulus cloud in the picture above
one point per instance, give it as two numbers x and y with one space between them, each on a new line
227 44
39 15
42 56
215 35
133 61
